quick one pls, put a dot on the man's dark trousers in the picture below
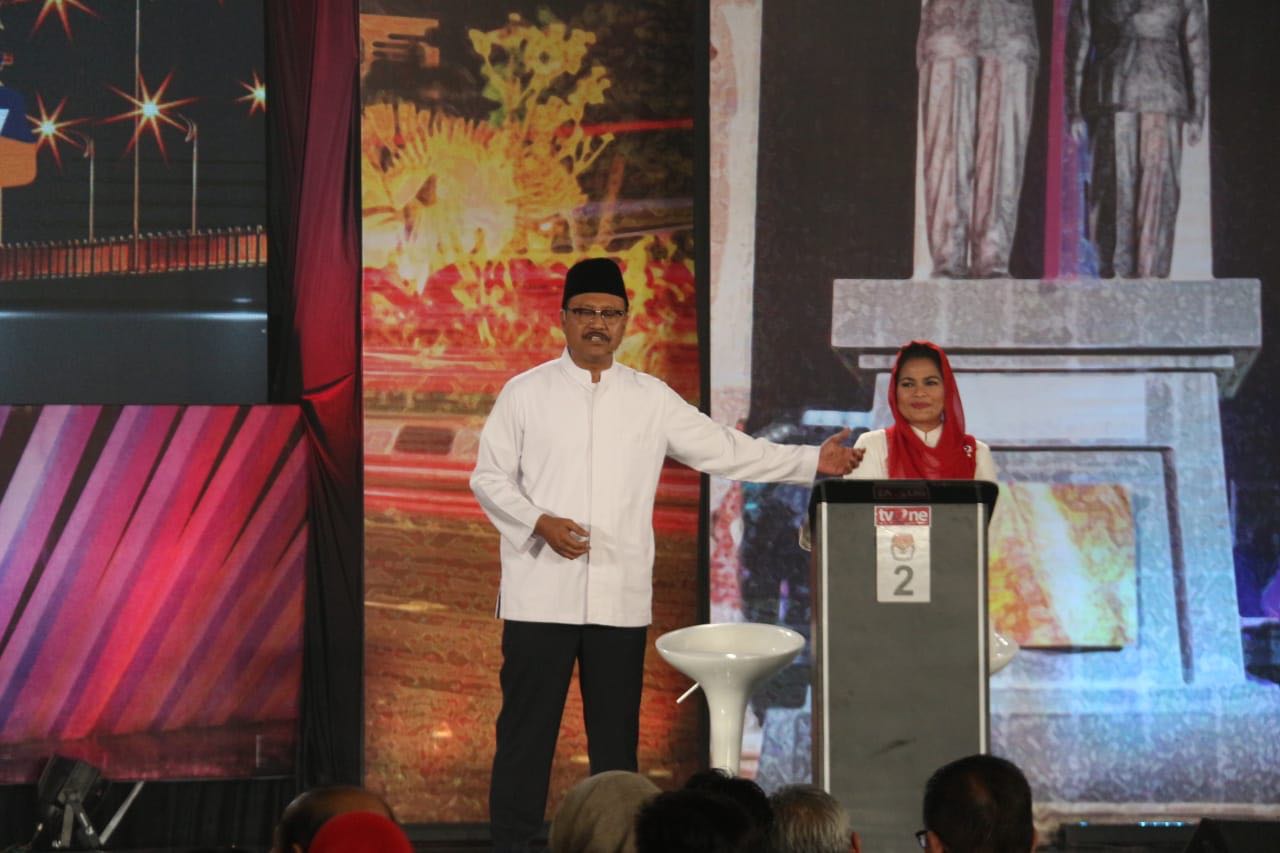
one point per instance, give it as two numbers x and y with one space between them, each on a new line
537 666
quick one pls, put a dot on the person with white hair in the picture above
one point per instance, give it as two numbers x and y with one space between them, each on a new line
806 819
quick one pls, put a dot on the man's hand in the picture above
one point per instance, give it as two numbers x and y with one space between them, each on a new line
565 536
834 458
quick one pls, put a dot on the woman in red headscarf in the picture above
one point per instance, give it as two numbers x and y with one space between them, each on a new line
927 440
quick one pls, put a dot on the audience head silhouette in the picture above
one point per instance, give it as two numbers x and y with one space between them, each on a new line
744 792
693 821
806 819
311 809
360 832
978 804
598 814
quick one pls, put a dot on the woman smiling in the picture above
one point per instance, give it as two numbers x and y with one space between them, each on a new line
927 440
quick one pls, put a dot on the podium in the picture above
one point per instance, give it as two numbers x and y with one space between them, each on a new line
899 643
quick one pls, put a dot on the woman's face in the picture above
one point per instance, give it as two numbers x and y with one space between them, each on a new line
921 394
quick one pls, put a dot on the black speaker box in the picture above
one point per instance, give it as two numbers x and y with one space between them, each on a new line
1235 836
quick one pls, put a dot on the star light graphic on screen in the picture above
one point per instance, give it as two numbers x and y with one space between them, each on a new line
49 127
257 97
149 111
61 7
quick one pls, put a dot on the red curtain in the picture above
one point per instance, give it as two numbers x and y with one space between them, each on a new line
313 86
313 301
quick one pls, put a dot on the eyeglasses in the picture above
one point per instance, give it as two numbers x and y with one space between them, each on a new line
922 838
609 315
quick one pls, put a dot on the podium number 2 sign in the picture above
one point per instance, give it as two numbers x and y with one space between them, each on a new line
902 554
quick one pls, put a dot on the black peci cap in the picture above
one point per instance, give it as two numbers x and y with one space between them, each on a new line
594 275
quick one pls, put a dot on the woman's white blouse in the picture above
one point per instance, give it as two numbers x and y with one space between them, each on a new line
875 461
875 464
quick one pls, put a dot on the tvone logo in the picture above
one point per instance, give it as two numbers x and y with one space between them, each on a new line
895 515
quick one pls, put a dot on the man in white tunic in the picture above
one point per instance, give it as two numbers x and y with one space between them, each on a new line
567 472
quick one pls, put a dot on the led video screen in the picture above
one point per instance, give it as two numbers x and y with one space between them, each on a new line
501 142
877 179
133 202
151 589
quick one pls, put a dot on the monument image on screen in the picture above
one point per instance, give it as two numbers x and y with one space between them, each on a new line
1132 553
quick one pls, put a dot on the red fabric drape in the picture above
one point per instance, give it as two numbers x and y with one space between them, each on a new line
315 301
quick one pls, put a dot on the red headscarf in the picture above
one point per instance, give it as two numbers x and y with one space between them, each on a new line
910 458
360 832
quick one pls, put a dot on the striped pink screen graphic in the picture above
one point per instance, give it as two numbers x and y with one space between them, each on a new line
151 588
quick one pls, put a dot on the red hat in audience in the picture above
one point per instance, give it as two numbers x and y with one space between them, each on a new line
360 832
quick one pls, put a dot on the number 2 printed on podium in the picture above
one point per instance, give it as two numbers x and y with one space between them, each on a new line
902 554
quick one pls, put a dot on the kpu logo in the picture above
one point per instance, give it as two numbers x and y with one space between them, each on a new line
903 546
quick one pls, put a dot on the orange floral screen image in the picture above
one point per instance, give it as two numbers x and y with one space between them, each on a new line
497 151
1063 567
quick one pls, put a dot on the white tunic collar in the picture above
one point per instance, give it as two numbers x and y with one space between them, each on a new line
930 438
583 377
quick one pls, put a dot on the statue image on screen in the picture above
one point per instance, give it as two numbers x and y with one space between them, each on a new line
978 62
1145 610
1137 82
